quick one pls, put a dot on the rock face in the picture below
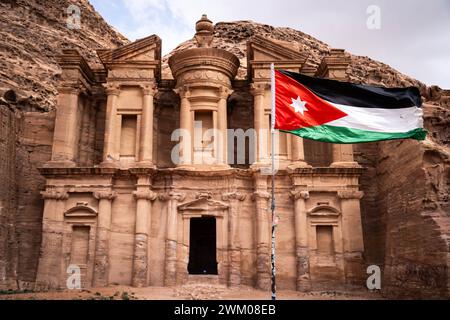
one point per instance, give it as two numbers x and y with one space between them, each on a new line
32 33
405 210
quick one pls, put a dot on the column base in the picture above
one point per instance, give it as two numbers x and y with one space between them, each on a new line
264 281
304 285
298 165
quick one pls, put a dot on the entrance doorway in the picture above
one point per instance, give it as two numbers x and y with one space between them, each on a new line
202 246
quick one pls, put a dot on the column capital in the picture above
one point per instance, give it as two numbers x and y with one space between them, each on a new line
112 89
261 195
259 88
203 195
225 92
71 88
350 194
172 195
149 89
184 92
300 195
102 195
233 196
145 195
54 195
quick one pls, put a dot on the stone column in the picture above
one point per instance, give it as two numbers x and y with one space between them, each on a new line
109 149
234 247
170 271
92 133
101 263
50 263
186 124
140 257
224 93
343 156
261 127
146 140
67 126
83 152
352 236
301 240
263 217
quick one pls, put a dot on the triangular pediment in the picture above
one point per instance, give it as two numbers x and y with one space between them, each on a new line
203 204
261 52
142 50
263 49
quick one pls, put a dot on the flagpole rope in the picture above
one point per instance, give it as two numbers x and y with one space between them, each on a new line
273 256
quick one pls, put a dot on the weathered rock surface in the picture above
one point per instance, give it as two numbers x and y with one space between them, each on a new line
405 211
31 34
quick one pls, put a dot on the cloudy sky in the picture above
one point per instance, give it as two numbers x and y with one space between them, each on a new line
412 36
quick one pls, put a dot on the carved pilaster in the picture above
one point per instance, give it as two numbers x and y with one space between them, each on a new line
101 263
109 155
149 90
142 224
263 217
170 274
234 250
186 125
301 239
49 274
260 124
352 233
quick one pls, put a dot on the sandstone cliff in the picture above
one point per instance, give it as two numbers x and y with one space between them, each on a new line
32 32
405 211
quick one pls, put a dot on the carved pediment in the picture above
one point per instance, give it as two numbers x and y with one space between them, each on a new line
203 204
144 52
324 211
81 210
262 51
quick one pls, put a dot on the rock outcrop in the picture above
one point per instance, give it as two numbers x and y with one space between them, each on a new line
406 210
32 33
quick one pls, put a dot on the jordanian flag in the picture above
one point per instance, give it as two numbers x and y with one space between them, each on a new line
340 112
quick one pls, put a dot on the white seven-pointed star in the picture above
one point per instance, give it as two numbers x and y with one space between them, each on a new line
299 105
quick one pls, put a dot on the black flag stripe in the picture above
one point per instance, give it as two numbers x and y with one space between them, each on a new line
358 95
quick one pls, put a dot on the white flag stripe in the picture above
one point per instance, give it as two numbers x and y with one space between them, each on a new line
379 120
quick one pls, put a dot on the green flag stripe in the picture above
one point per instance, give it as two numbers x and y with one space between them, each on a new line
344 135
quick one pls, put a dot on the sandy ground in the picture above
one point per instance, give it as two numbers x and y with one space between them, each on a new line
187 292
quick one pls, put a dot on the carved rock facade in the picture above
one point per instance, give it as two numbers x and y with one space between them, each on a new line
125 216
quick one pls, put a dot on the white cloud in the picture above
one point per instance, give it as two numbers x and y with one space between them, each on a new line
413 34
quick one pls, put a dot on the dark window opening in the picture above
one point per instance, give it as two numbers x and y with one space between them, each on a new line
202 246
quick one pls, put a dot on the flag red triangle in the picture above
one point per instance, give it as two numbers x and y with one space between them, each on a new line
298 107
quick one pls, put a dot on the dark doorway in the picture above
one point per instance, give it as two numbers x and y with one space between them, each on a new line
202 246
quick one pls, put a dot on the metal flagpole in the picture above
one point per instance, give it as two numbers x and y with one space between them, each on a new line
272 256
